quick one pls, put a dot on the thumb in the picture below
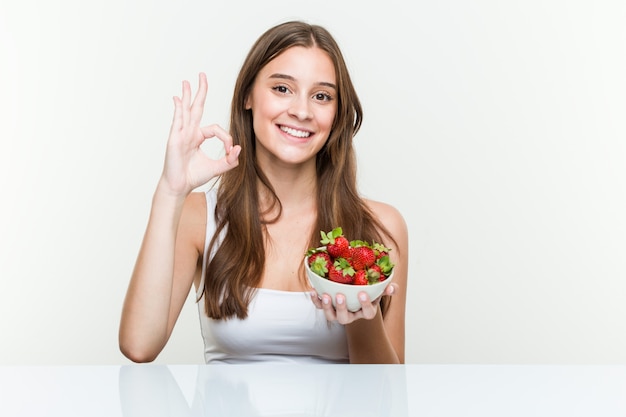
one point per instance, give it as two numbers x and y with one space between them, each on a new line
230 161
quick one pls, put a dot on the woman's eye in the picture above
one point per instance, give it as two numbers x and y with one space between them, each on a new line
281 89
323 97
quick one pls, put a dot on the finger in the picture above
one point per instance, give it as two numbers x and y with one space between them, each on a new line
390 290
232 157
186 99
218 132
341 310
197 107
368 308
223 165
316 298
177 119
327 306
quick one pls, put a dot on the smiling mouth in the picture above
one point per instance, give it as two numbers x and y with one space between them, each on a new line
295 132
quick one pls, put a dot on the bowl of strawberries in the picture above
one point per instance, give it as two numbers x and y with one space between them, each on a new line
346 267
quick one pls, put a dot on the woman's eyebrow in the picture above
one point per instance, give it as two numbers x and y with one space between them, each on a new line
289 77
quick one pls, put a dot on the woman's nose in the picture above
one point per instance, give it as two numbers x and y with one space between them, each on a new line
300 108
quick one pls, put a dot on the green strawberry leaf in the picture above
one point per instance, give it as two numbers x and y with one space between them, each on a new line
343 265
385 264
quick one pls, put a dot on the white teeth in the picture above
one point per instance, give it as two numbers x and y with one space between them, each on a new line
294 132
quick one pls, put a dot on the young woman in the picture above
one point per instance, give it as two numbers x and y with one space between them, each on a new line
288 173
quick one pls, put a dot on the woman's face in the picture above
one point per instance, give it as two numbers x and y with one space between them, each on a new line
293 103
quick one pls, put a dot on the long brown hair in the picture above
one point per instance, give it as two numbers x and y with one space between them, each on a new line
236 266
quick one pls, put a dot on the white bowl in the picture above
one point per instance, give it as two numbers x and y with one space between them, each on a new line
325 286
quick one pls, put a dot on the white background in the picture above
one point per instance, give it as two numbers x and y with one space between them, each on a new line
497 128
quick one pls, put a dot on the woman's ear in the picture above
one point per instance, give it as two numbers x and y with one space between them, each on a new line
248 106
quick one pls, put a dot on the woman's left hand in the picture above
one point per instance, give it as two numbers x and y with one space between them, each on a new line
340 312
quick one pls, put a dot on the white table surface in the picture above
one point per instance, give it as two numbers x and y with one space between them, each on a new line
313 390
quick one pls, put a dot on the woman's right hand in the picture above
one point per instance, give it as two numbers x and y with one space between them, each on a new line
186 165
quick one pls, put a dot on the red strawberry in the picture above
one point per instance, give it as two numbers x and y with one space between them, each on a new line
363 257
320 262
335 273
374 274
316 254
355 262
385 265
380 250
336 243
360 277
340 249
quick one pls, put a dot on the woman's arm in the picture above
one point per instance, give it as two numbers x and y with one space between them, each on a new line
164 271
168 258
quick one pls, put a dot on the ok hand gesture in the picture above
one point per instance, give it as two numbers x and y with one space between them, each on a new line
186 165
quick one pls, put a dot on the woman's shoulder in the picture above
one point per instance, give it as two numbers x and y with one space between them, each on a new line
198 202
193 220
390 217
386 213
195 204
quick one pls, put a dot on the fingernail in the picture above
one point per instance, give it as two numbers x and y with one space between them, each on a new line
391 289
326 300
362 297
339 300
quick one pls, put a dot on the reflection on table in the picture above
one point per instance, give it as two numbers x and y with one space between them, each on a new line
314 390
267 390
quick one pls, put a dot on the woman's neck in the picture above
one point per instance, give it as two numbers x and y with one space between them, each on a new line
294 186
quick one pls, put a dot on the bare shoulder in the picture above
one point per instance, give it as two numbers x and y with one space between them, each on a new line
192 225
195 203
391 218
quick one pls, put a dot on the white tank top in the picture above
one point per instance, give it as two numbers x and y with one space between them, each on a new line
282 326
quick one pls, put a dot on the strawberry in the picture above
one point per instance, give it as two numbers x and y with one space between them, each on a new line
385 265
336 243
380 250
320 262
363 257
374 274
335 273
356 262
360 277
